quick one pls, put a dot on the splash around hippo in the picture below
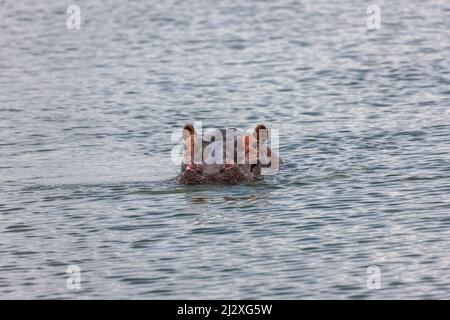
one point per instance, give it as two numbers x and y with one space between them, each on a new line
227 156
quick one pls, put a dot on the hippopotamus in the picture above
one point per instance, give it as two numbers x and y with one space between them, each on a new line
226 156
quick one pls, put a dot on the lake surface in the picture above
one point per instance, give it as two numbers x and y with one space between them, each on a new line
86 177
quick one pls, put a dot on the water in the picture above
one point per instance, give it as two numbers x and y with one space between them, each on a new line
85 171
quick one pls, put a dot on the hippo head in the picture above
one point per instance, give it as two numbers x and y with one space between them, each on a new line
225 156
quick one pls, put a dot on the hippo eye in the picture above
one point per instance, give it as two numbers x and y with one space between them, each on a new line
261 133
189 137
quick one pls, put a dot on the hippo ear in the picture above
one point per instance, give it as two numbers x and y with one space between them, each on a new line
188 131
261 133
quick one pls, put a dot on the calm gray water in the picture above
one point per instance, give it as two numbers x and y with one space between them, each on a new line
86 177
